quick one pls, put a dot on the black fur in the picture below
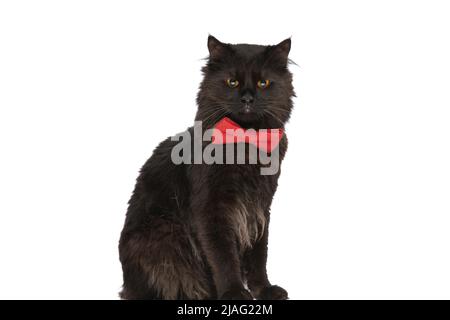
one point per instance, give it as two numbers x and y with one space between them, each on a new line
198 231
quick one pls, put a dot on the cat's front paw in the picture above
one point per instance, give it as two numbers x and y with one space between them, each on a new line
273 293
236 294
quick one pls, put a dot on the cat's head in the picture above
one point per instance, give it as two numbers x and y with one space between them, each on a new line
250 84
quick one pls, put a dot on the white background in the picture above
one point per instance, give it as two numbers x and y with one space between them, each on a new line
89 88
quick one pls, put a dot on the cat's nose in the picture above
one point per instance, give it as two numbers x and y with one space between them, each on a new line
247 99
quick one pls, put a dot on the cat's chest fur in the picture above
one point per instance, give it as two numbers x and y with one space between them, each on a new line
241 195
238 194
248 215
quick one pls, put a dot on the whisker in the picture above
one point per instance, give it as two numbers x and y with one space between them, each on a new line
272 108
274 116
218 112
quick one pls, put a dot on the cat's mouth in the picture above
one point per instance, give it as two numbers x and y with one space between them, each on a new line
245 119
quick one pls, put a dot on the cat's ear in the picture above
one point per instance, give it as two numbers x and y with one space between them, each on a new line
280 52
283 48
216 48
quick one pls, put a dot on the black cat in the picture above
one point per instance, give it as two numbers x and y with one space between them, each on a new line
199 231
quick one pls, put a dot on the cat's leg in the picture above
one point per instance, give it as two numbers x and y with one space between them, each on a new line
218 240
255 260
160 262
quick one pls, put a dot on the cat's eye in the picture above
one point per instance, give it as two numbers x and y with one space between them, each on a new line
262 84
232 83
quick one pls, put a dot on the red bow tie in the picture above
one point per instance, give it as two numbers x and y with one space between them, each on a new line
228 131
